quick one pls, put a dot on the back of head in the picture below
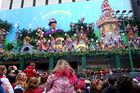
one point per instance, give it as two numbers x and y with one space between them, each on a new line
33 82
112 80
21 76
33 65
3 69
18 89
62 65
124 84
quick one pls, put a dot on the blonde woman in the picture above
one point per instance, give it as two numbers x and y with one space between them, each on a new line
20 80
62 79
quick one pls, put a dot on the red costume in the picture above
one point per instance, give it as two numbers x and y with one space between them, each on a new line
30 72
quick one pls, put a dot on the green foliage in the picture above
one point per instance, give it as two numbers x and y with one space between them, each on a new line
5 25
9 46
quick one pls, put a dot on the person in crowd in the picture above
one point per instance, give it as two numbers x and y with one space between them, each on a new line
93 86
112 88
33 86
5 82
124 84
2 90
136 85
20 81
12 72
30 71
62 79
43 80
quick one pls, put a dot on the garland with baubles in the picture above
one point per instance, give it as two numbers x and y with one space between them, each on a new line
110 52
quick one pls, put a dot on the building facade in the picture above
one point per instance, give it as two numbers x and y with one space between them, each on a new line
14 4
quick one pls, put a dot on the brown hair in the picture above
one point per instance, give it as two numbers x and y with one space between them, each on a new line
1 73
33 82
32 64
2 67
61 65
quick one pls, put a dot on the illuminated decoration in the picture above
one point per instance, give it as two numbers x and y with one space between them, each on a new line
131 36
82 33
81 38
108 26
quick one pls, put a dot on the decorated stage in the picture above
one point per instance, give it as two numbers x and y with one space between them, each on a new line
80 29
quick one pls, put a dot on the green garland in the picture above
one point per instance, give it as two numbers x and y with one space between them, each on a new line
111 52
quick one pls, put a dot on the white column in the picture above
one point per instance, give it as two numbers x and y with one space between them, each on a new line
28 3
5 4
16 4
40 2
52 2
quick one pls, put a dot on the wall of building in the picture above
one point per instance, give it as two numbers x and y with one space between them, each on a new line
5 4
0 4
136 8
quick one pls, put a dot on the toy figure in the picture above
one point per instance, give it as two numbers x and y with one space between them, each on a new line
53 29
2 34
41 41
59 44
51 44
92 45
42 45
69 43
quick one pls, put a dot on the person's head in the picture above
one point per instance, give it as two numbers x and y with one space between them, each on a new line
124 84
18 89
13 73
33 82
3 69
33 65
111 80
43 78
21 77
62 65
12 68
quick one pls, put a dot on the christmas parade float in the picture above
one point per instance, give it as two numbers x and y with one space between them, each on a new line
80 40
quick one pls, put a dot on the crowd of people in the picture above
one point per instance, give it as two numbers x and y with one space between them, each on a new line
63 79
